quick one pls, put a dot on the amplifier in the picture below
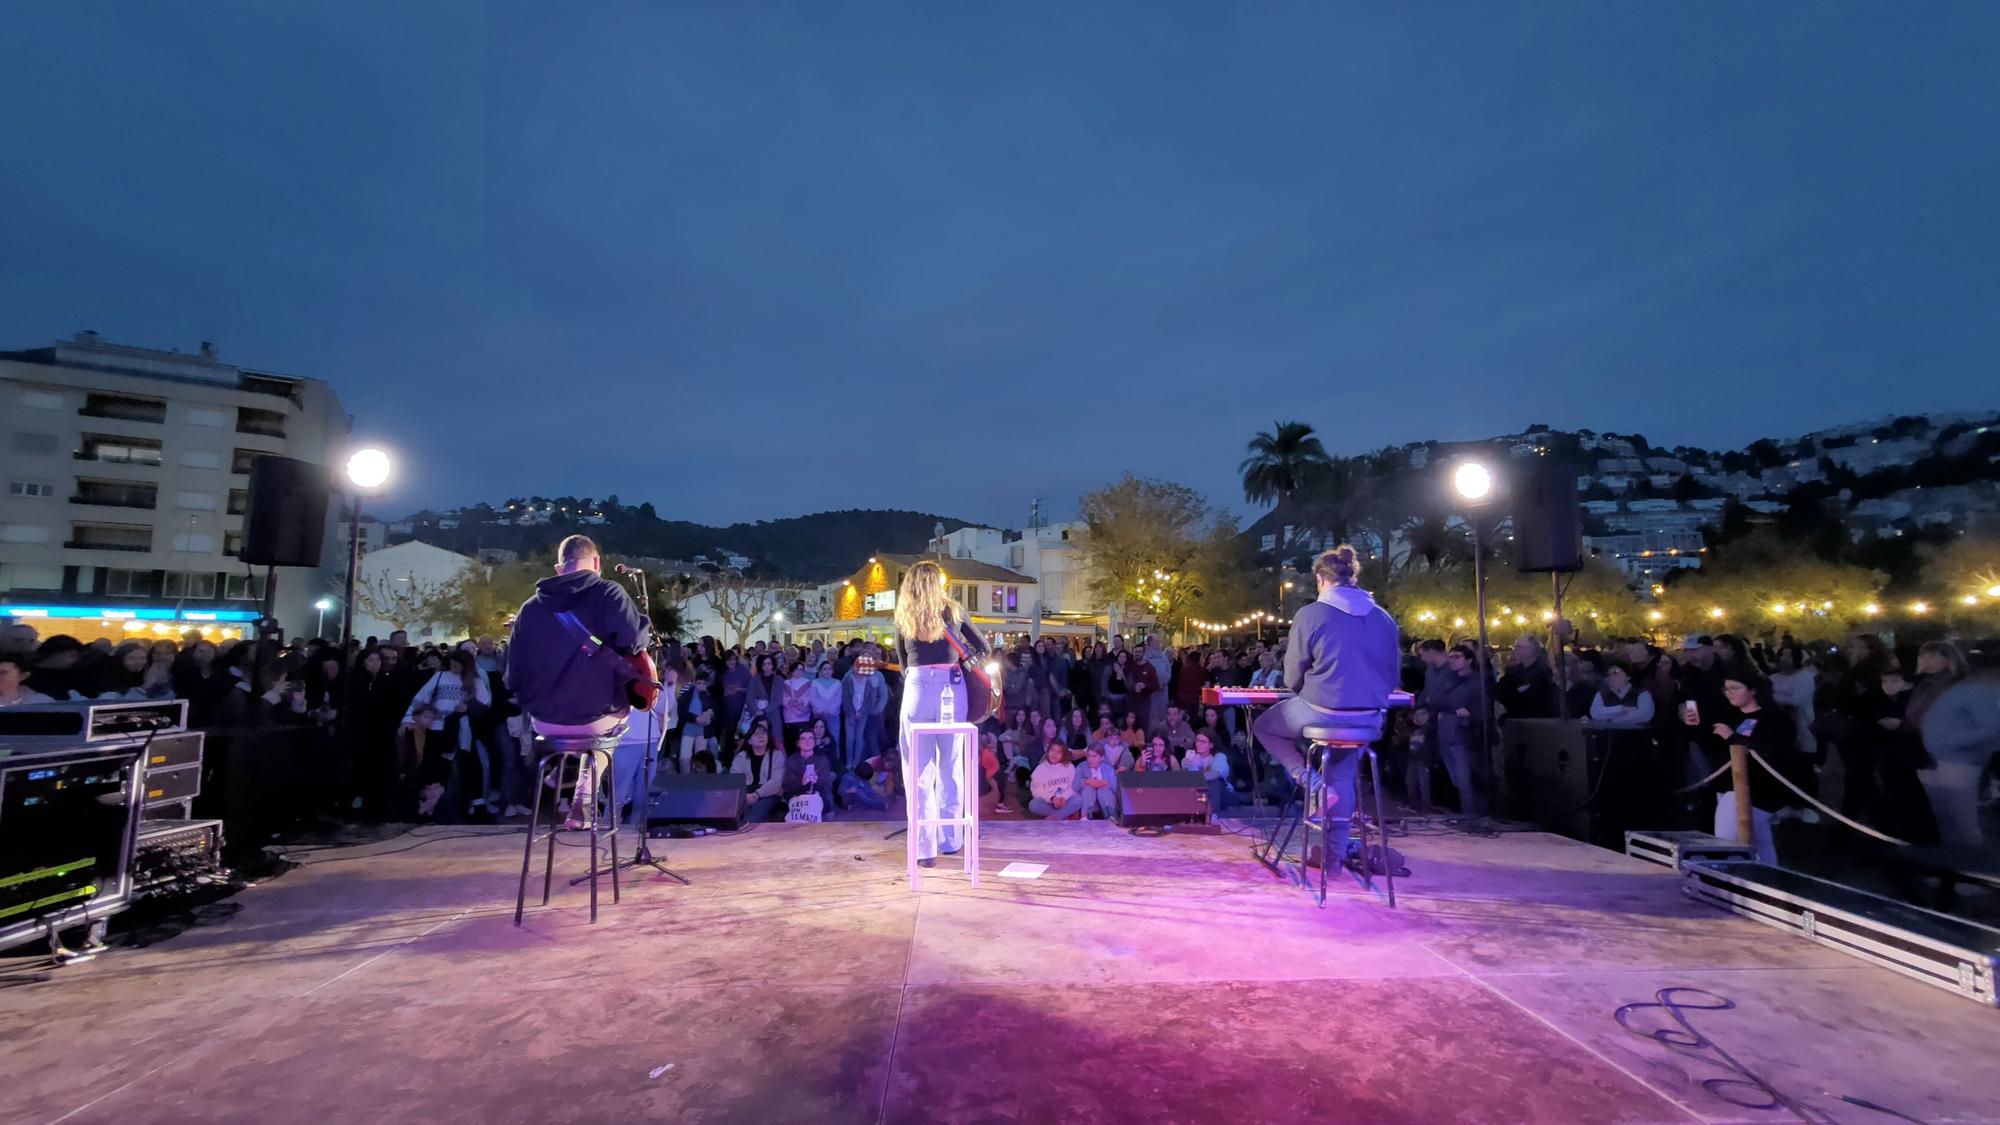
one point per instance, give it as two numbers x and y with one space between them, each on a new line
1148 799
715 799
66 828
71 723
177 784
1938 949
175 852
167 751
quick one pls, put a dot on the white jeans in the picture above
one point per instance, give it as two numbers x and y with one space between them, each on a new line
1761 842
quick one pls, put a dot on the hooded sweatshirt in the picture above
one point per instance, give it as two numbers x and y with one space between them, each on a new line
551 676
1344 652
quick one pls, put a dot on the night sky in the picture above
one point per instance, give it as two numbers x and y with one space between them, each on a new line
741 259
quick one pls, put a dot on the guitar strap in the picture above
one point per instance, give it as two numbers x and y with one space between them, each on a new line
589 640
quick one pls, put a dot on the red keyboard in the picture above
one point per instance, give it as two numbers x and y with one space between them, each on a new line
1243 696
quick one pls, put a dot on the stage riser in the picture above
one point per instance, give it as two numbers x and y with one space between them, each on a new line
1923 945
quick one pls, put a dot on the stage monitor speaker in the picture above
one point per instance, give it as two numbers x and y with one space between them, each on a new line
285 524
1169 797
717 800
1548 522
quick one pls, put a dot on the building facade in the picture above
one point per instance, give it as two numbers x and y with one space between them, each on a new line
126 476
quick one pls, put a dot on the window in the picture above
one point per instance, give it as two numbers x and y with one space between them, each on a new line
22 576
125 408
183 585
201 459
263 423
1006 599
115 493
244 588
195 501
42 400
118 450
232 543
109 537
243 458
966 594
35 443
1015 555
199 541
132 583
23 533
239 501
35 488
206 416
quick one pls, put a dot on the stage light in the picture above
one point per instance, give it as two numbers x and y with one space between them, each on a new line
1473 481
368 469
992 667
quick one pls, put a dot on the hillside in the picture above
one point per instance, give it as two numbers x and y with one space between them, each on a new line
811 548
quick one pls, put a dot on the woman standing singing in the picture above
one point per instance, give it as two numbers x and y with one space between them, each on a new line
924 614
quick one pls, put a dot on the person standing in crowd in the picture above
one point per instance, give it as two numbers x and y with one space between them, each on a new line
795 698
14 676
927 621
1527 688
1456 723
1751 719
735 688
767 695
864 699
1793 687
1160 682
456 697
1117 682
1959 725
1343 655
823 701
1619 702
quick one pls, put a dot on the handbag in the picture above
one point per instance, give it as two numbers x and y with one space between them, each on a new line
982 693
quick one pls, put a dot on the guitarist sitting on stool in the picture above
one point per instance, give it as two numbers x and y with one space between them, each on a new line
1344 655
557 664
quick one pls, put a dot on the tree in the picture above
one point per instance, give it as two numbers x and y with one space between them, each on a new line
1764 585
744 605
1151 547
1966 568
408 600
1284 461
486 597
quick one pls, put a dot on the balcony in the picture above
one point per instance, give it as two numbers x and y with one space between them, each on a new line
114 449
124 409
109 537
97 545
261 423
105 500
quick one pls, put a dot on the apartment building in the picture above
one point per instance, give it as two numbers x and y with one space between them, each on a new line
126 481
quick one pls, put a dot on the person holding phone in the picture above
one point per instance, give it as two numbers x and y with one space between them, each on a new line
1754 721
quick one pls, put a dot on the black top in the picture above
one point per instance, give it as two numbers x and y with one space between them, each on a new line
1768 731
911 652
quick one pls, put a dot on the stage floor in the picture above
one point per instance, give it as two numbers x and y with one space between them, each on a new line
1139 979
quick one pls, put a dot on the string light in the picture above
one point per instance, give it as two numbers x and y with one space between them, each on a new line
1716 613
1920 607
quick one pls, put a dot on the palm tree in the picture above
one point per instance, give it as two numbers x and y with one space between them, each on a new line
1435 539
1282 460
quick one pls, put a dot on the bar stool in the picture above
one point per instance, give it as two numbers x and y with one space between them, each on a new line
1347 732
557 752
965 751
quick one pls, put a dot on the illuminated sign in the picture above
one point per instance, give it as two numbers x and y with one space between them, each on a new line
124 613
883 602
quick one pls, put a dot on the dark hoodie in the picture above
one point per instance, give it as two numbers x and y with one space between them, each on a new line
1344 652
548 672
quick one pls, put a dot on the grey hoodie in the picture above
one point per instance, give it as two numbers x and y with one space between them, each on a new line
1344 652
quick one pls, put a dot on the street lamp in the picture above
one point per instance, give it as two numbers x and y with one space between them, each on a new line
367 471
319 627
1474 483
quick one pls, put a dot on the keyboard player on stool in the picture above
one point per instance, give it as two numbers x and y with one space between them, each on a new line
1344 655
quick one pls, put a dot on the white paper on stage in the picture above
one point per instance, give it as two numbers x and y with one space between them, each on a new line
1023 870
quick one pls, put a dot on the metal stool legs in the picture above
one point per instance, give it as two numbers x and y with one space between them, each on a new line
1314 815
603 805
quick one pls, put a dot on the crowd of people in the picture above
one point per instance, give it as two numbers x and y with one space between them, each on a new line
431 732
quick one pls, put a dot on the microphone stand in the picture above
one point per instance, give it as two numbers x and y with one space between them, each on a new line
642 855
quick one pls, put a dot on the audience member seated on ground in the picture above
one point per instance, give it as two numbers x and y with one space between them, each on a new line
762 767
1049 787
1132 733
1214 769
993 773
1619 702
873 783
1096 785
1115 751
14 689
809 773
459 695
1157 758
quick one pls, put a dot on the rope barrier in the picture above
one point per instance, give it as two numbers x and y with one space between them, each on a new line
1808 799
1719 771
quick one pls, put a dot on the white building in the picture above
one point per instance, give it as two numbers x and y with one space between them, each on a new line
374 535
393 584
1052 556
127 478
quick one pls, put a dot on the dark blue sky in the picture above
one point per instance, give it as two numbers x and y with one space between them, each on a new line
741 258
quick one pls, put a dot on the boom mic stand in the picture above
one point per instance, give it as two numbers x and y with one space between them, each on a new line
642 855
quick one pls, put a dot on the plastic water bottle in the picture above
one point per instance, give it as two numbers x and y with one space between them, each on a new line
947 706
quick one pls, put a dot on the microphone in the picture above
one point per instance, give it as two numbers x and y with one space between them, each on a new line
622 569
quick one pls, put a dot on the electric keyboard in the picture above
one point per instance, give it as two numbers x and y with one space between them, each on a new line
1267 697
